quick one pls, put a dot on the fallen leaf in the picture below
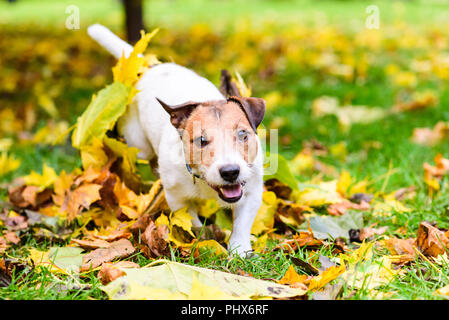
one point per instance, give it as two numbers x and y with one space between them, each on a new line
81 198
213 246
431 241
444 291
362 234
280 189
318 195
111 271
155 240
325 277
3 245
291 213
12 237
16 223
431 137
264 219
58 259
101 114
176 280
299 240
325 227
401 247
8 164
44 180
119 249
91 244
291 277
338 209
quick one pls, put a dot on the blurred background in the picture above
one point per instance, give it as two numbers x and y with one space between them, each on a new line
346 82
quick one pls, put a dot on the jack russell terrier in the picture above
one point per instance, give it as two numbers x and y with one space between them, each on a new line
193 130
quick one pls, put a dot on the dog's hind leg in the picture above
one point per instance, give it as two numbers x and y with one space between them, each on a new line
130 128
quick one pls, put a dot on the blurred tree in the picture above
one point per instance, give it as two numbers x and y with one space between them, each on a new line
133 19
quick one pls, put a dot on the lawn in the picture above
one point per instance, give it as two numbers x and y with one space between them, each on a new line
345 100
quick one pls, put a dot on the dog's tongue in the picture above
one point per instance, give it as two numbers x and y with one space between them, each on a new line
231 191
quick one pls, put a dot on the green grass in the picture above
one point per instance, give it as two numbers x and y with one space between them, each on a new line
420 279
181 13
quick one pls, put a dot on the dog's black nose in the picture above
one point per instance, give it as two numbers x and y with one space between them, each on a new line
230 172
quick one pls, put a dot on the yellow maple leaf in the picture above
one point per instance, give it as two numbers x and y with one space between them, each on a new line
208 207
217 248
127 70
162 220
321 194
183 219
291 277
265 215
327 276
442 291
201 291
343 183
8 163
44 180
93 155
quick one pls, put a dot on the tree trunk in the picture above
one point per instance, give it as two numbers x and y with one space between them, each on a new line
133 19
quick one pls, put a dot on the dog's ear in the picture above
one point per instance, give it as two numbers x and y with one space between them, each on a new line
254 109
227 87
180 112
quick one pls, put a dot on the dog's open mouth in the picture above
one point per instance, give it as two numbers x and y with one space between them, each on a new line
229 193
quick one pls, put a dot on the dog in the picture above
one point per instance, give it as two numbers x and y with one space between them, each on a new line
206 146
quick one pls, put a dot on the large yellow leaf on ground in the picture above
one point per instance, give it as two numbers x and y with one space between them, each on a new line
173 280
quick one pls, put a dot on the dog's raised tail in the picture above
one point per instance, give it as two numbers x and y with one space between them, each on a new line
109 40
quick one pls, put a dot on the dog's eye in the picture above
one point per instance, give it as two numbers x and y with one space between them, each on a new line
242 135
201 141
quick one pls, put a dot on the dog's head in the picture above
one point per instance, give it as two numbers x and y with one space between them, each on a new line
220 140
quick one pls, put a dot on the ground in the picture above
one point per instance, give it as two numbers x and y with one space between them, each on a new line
292 58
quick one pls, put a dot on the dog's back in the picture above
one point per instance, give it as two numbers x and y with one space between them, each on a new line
170 82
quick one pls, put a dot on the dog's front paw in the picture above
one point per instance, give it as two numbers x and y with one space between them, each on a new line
242 250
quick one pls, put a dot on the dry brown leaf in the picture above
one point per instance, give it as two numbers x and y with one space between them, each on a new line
280 189
118 250
109 234
111 271
16 223
28 196
81 198
405 193
12 237
441 168
338 209
401 247
430 240
431 137
155 241
299 240
293 210
420 100
132 205
291 277
92 244
366 233
3 244
139 227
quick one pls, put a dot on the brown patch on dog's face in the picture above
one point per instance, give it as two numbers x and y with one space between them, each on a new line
215 129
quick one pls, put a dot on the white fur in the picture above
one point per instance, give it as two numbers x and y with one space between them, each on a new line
147 126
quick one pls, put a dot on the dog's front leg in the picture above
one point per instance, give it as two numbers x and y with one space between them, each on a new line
243 218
